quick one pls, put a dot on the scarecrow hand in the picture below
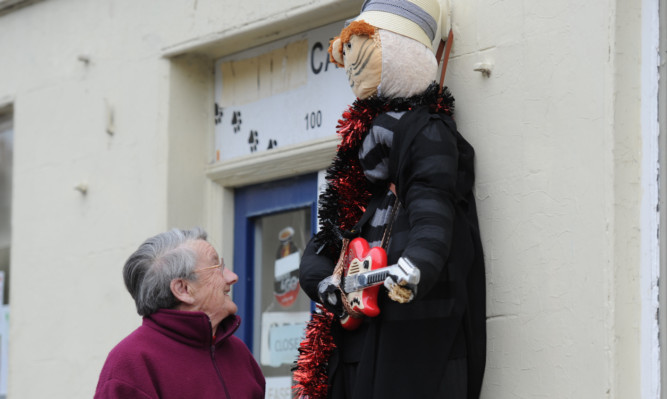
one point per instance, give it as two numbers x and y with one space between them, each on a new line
402 281
329 295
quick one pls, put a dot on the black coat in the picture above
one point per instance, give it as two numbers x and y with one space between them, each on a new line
404 351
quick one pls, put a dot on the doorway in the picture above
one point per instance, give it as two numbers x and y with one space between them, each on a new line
273 222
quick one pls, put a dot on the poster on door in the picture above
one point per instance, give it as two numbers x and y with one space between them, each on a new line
282 309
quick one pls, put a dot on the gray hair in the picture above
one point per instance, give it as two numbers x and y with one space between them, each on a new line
148 272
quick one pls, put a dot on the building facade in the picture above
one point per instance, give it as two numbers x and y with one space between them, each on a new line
120 119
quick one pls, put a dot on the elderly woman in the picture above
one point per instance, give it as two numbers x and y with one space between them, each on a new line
185 347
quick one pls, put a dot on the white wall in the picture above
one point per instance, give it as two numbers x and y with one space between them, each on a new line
543 127
67 295
556 129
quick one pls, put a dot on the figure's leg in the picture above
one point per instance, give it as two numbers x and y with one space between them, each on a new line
455 382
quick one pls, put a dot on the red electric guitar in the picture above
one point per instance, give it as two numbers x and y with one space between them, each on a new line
366 268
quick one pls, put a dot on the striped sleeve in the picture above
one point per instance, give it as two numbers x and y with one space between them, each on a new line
429 200
375 149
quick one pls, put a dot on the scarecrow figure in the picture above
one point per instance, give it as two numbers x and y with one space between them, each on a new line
402 182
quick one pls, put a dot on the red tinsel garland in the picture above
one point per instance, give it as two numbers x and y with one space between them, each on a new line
348 191
350 183
310 374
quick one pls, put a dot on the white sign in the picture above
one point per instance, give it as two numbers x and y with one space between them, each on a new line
282 332
279 94
278 388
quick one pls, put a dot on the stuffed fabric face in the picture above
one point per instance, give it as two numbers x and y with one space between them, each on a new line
358 50
383 63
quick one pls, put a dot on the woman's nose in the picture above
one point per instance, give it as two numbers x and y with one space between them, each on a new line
231 277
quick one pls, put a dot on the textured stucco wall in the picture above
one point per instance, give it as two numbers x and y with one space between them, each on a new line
555 127
557 186
541 136
625 318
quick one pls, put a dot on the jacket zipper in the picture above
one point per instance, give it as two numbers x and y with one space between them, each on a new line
217 370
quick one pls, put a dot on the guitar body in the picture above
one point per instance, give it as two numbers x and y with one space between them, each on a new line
360 258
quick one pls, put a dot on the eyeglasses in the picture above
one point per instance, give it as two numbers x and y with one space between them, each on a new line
221 265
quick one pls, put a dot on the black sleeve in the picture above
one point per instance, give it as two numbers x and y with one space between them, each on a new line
313 269
429 184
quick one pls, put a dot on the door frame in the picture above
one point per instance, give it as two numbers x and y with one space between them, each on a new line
252 202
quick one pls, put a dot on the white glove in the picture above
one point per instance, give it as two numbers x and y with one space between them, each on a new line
402 282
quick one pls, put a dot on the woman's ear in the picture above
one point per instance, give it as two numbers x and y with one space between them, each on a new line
336 52
182 290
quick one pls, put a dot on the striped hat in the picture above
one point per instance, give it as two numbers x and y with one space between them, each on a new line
416 19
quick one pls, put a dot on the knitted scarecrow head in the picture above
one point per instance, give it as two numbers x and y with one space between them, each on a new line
387 51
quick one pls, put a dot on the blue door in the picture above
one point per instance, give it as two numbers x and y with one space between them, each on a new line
272 224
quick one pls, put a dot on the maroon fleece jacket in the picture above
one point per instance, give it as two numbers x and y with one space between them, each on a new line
174 355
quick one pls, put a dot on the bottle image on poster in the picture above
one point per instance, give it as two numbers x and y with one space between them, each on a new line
286 269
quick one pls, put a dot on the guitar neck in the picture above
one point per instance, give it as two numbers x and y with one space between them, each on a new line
357 282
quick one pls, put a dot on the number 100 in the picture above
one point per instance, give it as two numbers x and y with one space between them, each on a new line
313 120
